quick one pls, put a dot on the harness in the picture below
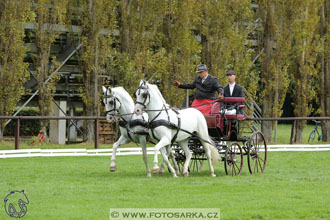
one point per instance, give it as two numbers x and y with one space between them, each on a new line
161 122
127 124
167 123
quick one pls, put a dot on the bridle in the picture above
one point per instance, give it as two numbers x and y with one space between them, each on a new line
115 100
145 95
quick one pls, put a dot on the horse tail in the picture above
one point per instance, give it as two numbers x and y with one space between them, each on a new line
214 154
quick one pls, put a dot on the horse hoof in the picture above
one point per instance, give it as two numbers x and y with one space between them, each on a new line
161 173
186 174
213 175
149 175
155 170
113 169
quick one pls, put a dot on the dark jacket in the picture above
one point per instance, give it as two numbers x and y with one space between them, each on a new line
205 90
237 92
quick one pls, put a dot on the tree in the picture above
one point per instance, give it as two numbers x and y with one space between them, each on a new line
181 48
274 49
48 14
324 76
139 24
224 27
13 72
305 47
97 22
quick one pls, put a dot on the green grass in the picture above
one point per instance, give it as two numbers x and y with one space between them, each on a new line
295 185
284 133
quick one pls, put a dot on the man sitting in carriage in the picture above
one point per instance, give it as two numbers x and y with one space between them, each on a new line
206 87
232 90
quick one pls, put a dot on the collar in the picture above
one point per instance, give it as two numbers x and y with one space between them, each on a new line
205 77
232 85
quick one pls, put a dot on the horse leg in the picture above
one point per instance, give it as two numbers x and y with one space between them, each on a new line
209 159
162 166
145 156
161 146
185 148
122 140
161 169
176 167
155 169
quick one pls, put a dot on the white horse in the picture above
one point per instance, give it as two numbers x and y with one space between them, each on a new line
166 124
120 105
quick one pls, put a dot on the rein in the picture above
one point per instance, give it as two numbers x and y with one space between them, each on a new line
164 109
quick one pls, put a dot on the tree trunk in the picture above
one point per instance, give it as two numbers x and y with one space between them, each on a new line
1 130
266 126
324 92
299 129
90 130
125 26
267 72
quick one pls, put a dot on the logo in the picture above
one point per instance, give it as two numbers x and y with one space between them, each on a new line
15 204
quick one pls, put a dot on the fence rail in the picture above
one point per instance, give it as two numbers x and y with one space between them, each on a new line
98 118
130 151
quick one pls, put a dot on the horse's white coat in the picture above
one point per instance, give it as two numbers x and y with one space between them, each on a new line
192 120
125 106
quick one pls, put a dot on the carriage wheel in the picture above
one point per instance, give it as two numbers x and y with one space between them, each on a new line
179 156
257 153
196 163
198 155
234 159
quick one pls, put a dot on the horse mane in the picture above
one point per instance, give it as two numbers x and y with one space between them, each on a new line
125 95
155 88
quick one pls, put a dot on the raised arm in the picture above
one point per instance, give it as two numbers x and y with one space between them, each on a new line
184 85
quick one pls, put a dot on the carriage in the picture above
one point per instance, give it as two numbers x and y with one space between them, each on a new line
225 131
189 128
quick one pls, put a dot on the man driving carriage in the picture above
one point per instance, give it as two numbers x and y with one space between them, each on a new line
206 87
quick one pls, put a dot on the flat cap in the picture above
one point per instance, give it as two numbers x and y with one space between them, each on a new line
201 68
231 72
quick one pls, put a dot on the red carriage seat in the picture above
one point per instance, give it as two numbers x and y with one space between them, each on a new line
215 119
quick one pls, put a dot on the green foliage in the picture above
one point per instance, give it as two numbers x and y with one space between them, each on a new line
275 31
47 14
97 22
27 127
13 72
182 48
224 27
305 48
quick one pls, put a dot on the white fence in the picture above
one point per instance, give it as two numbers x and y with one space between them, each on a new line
132 151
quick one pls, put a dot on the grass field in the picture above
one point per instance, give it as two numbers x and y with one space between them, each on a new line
295 185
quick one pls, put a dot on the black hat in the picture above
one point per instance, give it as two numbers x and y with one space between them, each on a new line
231 73
201 68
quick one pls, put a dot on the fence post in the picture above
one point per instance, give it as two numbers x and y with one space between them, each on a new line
17 134
96 134
292 132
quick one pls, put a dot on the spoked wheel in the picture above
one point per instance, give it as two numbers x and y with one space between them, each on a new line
234 159
179 157
197 161
257 153
198 155
311 137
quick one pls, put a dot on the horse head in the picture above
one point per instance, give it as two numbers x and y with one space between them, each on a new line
142 97
111 103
